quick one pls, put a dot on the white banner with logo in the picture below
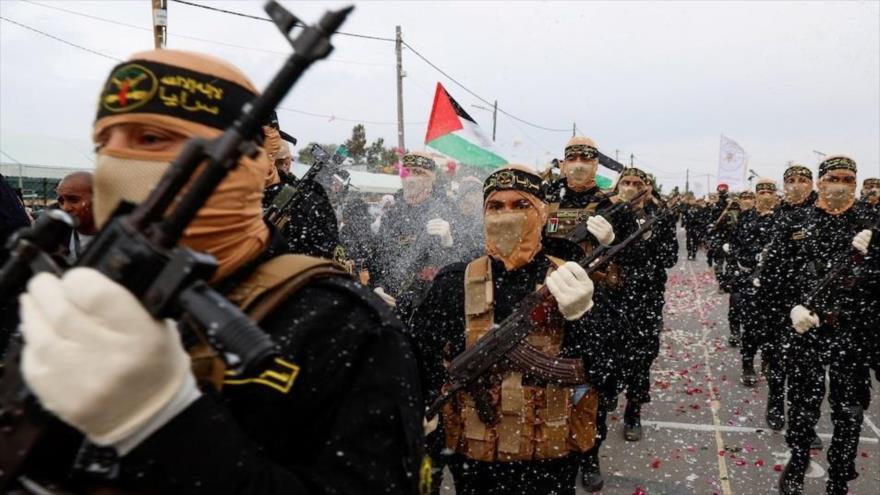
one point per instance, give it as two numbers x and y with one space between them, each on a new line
732 164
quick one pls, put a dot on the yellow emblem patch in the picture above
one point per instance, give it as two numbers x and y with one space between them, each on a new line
130 87
280 375
799 235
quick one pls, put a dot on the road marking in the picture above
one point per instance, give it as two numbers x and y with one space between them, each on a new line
716 403
672 425
871 425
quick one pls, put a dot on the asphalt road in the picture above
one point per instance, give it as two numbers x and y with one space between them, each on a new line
703 431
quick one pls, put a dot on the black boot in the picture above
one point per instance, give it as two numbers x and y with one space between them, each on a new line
791 482
775 412
835 486
591 477
749 378
632 422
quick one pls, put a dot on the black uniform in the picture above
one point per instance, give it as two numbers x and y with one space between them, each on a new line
340 411
751 234
439 331
357 238
776 281
12 217
815 240
409 257
643 268
311 228
692 220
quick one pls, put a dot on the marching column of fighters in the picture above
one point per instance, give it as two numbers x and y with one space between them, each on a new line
778 259
340 410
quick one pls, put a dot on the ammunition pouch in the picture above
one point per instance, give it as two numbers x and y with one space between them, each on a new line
526 411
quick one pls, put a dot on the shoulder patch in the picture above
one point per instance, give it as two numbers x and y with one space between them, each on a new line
799 235
279 375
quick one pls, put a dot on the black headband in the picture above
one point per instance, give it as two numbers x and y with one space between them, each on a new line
765 186
837 163
418 161
141 86
797 170
637 173
585 150
511 178
871 182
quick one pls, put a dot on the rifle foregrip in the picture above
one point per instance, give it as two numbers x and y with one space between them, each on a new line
227 328
567 372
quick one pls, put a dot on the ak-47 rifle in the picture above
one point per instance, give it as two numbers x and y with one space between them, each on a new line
844 262
138 247
290 195
579 233
505 343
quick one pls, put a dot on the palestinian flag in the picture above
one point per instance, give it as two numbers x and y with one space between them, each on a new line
452 132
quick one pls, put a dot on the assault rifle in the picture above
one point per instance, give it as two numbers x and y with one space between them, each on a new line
505 343
844 262
138 247
290 195
579 233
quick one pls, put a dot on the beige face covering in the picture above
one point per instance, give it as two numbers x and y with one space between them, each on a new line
417 188
797 192
581 176
765 203
836 198
230 224
627 193
514 237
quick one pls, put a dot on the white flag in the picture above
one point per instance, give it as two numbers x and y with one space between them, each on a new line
732 164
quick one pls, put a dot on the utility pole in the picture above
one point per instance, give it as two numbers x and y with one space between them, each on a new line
160 23
617 156
574 128
687 177
398 47
494 119
631 159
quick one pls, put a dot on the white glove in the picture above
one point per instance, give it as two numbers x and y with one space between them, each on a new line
429 425
726 248
862 240
440 228
99 361
802 319
756 283
601 229
572 288
379 291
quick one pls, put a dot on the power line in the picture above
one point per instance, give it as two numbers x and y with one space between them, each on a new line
257 18
416 52
61 40
194 38
344 119
475 95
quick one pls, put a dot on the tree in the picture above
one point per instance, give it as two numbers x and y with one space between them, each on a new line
374 155
357 145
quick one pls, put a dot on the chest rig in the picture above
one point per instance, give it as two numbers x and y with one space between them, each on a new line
561 223
531 421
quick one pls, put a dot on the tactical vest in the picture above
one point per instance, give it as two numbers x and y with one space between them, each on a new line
560 223
271 284
533 422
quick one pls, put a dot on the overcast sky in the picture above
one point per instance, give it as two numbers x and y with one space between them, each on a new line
660 80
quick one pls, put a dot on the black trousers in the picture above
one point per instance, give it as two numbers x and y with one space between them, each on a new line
754 317
774 354
736 314
643 344
692 240
848 395
548 477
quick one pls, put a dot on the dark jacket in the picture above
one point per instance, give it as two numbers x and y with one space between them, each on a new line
312 227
